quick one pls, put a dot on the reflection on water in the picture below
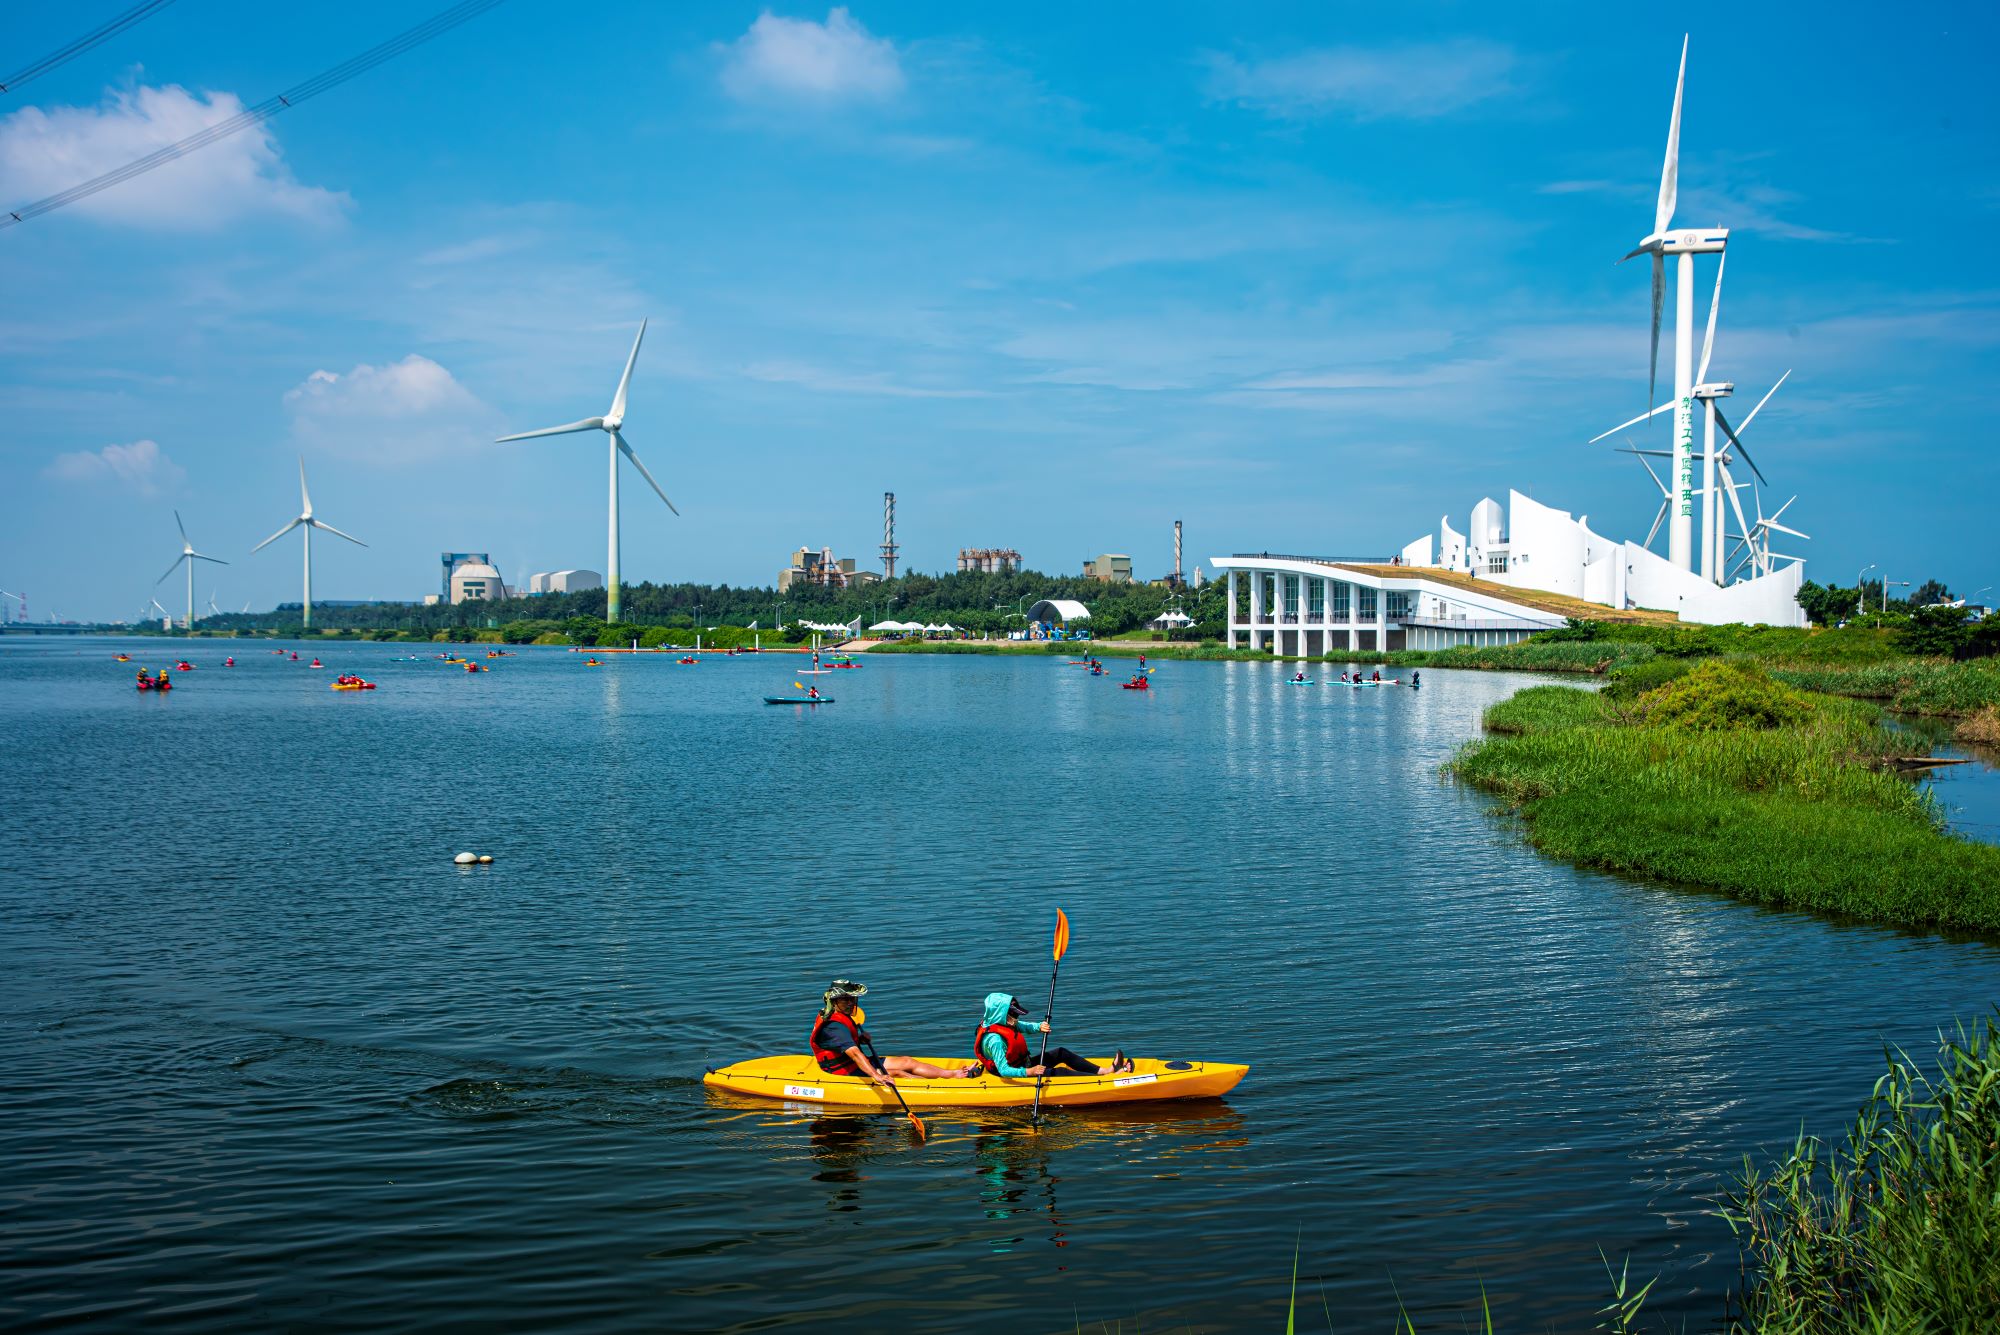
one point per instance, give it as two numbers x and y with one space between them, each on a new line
268 1058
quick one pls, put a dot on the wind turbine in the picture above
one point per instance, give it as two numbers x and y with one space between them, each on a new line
166 617
187 557
307 522
609 424
1684 244
1756 539
213 610
23 598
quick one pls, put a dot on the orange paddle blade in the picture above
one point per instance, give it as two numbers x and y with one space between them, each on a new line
1062 934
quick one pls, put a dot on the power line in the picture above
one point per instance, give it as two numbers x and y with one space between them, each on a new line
104 32
263 111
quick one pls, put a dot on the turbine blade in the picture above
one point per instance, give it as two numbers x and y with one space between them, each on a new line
617 413
170 570
1650 412
1766 399
1735 501
1783 529
1735 440
626 450
321 523
1780 511
304 495
1658 520
199 556
1714 305
182 527
1663 214
1645 454
275 536
1659 295
587 424
1665 490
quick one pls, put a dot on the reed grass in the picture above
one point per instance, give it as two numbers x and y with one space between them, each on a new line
1896 1228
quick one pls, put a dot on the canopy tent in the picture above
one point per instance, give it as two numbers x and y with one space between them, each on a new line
1171 620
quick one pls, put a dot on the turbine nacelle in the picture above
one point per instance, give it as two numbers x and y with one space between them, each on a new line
1684 241
1719 389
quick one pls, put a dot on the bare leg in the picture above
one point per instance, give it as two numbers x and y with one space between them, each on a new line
922 1070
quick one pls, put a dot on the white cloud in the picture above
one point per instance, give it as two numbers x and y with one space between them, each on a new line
142 466
47 150
830 61
1416 82
400 413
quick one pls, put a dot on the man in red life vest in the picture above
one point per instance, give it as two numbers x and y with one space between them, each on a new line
1002 1046
839 1043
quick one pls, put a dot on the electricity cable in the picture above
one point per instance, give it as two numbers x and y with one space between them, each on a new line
104 32
263 111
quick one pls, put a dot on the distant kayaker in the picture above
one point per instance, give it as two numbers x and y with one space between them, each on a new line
1001 1044
1378 675
812 692
1299 677
1416 677
839 1043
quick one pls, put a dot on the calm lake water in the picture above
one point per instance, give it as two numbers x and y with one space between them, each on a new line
269 1059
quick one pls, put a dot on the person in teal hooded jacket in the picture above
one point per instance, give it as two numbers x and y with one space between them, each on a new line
1001 1045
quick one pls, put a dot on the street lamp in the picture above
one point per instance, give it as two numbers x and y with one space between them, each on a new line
1861 604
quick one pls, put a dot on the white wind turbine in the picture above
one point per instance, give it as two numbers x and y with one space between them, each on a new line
1685 244
187 557
609 424
166 617
308 523
1715 477
1755 541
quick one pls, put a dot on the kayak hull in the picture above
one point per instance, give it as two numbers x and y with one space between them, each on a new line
797 1079
796 700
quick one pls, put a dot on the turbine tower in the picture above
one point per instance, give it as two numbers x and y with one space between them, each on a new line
187 557
306 521
1683 244
609 424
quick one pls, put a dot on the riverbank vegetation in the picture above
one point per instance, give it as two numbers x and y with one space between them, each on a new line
1724 777
1895 1228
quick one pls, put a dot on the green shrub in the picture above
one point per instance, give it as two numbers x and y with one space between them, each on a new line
551 637
1635 679
1934 632
1724 695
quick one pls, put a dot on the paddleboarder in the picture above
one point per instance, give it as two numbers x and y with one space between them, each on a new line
842 1047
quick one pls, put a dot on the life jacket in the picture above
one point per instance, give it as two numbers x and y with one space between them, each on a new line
1011 1035
832 1060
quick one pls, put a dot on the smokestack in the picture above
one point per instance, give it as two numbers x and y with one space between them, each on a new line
1177 553
888 535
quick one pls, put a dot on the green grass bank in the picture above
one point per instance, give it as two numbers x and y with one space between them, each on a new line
1725 777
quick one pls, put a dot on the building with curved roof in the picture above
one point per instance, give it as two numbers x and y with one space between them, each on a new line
1058 611
475 581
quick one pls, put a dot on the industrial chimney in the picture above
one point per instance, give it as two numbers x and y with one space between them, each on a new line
888 535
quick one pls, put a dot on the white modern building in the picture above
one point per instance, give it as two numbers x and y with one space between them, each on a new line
1305 606
564 581
1532 546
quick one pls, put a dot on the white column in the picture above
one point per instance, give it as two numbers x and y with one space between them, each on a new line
1229 616
1381 620
1256 609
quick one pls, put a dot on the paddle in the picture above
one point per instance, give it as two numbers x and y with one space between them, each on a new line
1048 1018
917 1128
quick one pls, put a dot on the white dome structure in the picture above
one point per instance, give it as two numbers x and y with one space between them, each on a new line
475 581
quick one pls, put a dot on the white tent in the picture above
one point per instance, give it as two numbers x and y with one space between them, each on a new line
887 625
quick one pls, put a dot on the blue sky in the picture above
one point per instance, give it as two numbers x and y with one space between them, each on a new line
1304 276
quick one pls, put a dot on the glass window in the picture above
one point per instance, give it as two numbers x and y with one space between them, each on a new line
1399 606
1292 596
1367 602
1316 598
1341 592
1496 564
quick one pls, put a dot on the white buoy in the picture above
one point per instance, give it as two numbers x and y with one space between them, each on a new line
463 858
485 857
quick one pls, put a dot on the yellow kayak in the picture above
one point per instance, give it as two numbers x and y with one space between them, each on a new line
798 1079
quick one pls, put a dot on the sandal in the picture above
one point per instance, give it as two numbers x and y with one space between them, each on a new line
1120 1063
975 1069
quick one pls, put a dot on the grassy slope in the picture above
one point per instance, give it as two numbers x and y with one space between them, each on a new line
1788 816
